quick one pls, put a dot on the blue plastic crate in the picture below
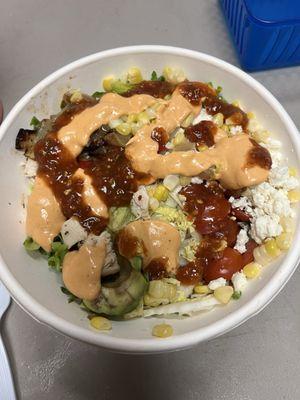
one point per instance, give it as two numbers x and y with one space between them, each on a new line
266 32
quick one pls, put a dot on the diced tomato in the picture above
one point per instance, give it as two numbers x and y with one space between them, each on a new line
230 262
215 209
240 215
248 255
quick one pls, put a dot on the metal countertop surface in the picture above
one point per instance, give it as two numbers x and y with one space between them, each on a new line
258 360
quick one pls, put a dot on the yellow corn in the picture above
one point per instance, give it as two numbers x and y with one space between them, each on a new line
293 171
225 128
174 75
143 118
162 330
101 323
201 289
236 103
76 97
132 118
252 270
134 75
223 294
260 136
107 82
271 248
201 147
250 115
124 129
161 193
179 138
284 240
294 196
218 119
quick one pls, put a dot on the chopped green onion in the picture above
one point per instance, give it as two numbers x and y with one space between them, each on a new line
236 295
136 263
30 244
54 262
120 87
35 122
98 95
155 77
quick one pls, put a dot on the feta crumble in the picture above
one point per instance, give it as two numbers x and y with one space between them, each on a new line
241 241
239 281
216 283
202 116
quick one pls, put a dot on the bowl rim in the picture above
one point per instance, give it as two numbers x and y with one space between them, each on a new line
180 341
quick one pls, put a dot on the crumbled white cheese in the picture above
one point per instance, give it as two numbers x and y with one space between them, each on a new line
140 203
265 226
202 116
239 281
242 203
235 129
272 144
241 241
269 200
279 177
216 283
72 232
196 179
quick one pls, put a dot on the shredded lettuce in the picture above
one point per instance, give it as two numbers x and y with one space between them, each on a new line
57 254
187 307
120 87
30 244
173 216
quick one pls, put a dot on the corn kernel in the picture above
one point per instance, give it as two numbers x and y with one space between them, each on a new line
218 119
272 248
173 75
107 83
201 289
134 75
250 115
294 196
260 136
101 323
76 97
287 223
124 129
236 103
179 138
161 193
223 294
201 147
252 270
143 118
293 171
284 240
162 330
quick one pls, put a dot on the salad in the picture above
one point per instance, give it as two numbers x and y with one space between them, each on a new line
155 197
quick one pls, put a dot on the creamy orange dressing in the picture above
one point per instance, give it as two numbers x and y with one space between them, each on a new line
229 154
44 217
82 270
158 240
90 196
76 134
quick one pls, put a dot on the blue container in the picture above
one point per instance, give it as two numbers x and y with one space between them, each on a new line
266 32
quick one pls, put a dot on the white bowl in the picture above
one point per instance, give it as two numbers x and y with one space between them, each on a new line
37 289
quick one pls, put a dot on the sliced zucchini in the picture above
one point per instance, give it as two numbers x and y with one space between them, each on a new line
120 296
